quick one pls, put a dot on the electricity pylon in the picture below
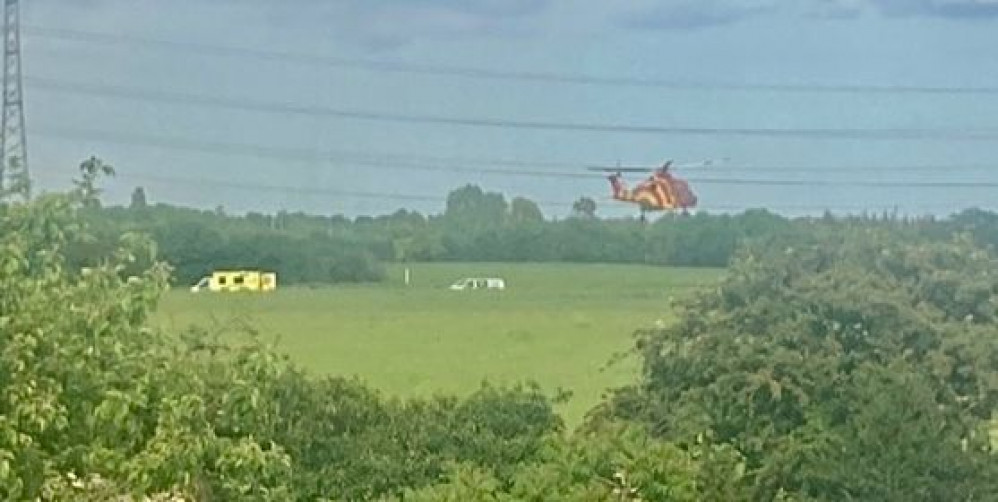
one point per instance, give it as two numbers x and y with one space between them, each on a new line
14 176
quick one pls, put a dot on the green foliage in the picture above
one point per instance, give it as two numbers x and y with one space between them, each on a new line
470 208
347 443
139 201
524 211
90 390
584 207
849 364
895 443
90 170
704 241
96 405
982 225
476 226
620 463
195 243
840 360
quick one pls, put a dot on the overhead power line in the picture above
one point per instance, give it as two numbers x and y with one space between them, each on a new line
301 154
815 169
259 187
299 190
267 188
477 73
386 161
851 183
478 165
202 100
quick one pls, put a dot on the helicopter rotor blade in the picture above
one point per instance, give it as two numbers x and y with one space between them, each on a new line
621 169
704 164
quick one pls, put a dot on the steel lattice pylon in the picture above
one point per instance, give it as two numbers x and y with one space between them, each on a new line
13 144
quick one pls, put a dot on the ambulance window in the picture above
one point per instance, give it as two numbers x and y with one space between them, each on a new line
222 280
238 279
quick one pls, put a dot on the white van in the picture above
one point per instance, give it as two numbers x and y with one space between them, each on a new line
478 283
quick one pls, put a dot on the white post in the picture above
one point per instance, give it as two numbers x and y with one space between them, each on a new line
407 276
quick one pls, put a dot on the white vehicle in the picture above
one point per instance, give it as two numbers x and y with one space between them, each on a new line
478 283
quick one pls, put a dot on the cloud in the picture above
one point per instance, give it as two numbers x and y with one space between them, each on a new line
491 8
693 14
369 23
392 23
835 9
959 9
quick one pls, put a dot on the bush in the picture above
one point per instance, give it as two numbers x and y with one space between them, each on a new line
851 364
96 404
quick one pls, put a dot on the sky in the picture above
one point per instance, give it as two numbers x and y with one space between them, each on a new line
367 106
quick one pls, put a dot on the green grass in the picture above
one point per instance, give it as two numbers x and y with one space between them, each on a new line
556 324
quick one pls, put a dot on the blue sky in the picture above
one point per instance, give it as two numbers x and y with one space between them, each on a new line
928 66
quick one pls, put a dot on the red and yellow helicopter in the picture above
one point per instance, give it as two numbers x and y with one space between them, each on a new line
662 191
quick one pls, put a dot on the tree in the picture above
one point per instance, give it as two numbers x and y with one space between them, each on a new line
585 207
524 211
471 208
618 462
138 199
833 362
87 189
92 394
97 404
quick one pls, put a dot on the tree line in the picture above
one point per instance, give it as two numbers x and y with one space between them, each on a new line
476 225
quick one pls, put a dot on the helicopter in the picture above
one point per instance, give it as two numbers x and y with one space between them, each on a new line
660 192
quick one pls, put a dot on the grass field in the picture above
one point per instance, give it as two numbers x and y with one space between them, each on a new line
556 324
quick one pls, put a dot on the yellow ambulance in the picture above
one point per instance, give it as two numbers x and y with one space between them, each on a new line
232 281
